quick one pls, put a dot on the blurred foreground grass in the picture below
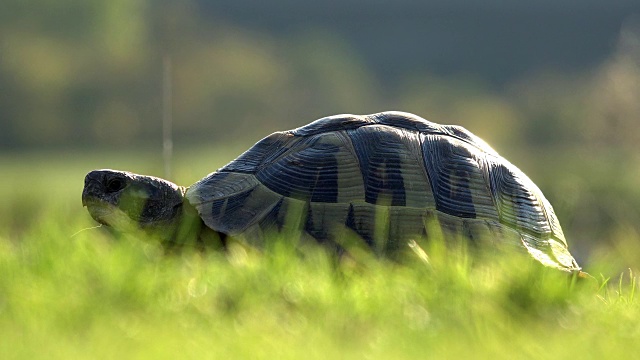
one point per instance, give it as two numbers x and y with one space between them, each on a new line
65 294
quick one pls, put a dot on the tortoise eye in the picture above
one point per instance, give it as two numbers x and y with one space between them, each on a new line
115 184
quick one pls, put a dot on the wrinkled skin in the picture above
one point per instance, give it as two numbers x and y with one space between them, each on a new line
129 202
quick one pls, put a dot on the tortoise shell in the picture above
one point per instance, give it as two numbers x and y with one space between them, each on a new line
384 177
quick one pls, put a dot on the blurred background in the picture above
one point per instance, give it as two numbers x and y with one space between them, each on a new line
554 86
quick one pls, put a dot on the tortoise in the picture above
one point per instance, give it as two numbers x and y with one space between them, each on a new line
383 177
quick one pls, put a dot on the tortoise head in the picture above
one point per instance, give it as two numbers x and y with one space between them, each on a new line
128 202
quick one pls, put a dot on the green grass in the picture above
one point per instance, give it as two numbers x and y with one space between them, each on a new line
67 294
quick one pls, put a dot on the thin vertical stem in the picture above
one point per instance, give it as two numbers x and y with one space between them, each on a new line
167 121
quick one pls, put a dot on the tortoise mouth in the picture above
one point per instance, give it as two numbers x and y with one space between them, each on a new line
99 210
110 215
89 202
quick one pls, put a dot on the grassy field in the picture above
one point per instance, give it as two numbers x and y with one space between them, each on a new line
67 294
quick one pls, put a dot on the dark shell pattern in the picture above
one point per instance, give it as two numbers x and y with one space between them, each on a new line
384 177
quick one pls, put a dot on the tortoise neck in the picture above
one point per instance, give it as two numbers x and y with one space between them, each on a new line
191 231
188 225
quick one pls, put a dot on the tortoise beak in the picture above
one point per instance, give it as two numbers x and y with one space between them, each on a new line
93 196
93 188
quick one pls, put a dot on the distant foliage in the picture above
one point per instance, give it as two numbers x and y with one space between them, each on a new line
89 72
86 74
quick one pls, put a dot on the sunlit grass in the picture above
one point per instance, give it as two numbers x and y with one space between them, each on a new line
98 295
92 294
